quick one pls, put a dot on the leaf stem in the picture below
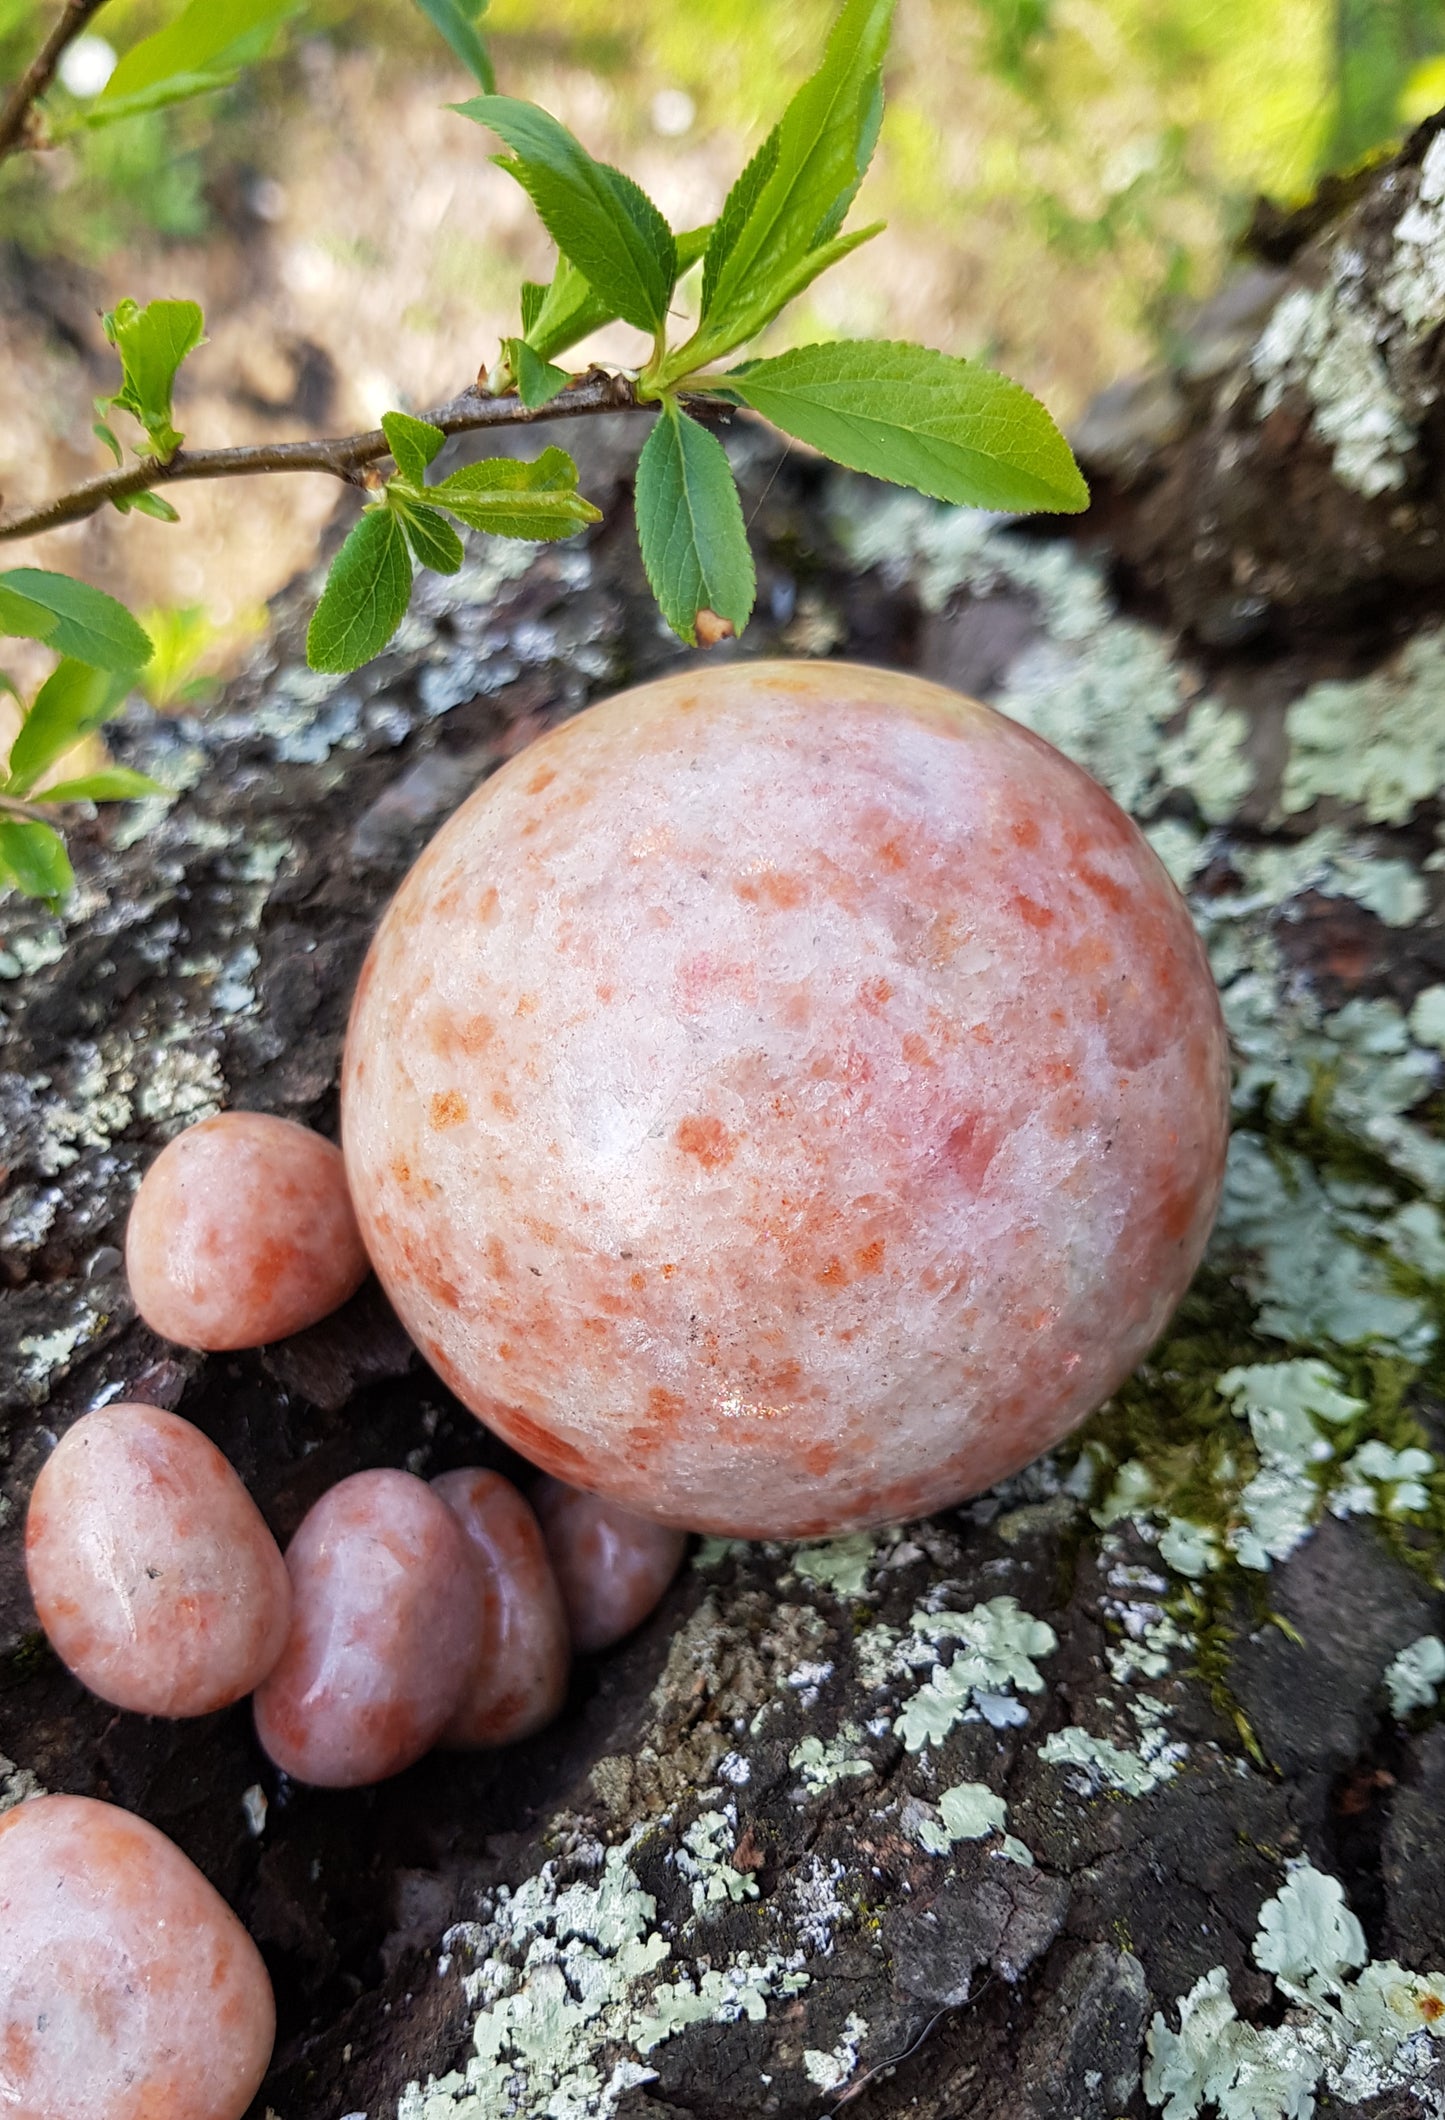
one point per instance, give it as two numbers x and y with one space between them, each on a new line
12 806
17 118
345 457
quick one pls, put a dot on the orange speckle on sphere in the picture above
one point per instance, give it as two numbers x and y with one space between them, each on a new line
448 1107
708 1140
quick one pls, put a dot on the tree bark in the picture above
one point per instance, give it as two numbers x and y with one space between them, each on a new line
722 1886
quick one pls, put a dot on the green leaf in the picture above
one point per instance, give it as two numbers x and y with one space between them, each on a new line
111 784
538 382
23 619
180 88
596 216
563 313
433 541
149 504
207 38
793 195
511 499
104 433
152 342
690 527
365 598
413 444
88 624
33 856
919 418
457 24
73 700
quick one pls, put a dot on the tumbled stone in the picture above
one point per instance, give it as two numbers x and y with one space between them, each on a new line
383 1631
128 1989
523 1650
152 1570
242 1232
786 1097
612 1566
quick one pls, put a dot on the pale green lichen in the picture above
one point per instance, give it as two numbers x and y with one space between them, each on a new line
1413 1679
998 1643
1102 1765
968 1811
703 1860
822 1764
1427 1018
1378 741
839 1564
569 2001
1354 2027
17 1784
1323 341
1208 760
830 2071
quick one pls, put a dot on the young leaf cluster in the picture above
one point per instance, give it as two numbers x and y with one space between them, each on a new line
370 583
100 648
922 418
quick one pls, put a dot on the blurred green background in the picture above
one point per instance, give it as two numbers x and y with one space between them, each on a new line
1060 177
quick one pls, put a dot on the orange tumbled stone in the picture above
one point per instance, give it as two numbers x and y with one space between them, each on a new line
152 1570
128 1989
786 1097
384 1624
611 1565
242 1232
523 1649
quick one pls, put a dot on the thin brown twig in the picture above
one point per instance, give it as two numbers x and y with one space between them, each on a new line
345 457
16 118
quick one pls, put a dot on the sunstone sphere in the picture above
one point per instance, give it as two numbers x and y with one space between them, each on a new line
785 1098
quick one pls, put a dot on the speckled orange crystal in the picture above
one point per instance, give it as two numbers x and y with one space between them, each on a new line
128 1989
787 1097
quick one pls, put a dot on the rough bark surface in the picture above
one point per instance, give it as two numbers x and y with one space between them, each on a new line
723 1885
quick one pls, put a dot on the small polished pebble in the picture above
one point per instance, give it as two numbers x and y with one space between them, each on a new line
524 1649
242 1233
612 1567
128 1988
787 1097
152 1570
383 1632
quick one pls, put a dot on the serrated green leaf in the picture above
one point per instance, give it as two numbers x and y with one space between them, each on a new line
74 700
207 38
457 23
365 598
918 418
538 501
431 537
811 169
21 618
690 527
538 382
152 342
738 208
596 216
111 784
88 624
413 443
33 856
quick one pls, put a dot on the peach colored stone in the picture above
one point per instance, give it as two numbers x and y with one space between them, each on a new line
152 1570
383 1632
524 1651
128 1989
612 1566
241 1233
786 1097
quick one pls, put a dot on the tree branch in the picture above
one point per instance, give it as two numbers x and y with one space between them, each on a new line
16 117
344 458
